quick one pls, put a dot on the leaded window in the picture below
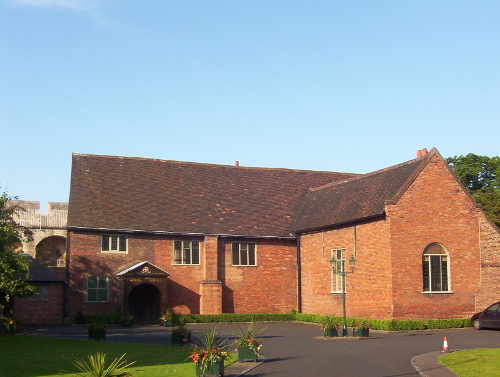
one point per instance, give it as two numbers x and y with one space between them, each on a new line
97 289
336 272
244 254
186 252
435 269
113 243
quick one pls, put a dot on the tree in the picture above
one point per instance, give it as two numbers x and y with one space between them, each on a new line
481 176
14 267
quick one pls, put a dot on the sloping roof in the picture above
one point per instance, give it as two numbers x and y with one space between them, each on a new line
139 269
40 273
124 193
357 198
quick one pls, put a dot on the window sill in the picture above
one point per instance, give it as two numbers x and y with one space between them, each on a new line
186 264
244 265
114 252
438 292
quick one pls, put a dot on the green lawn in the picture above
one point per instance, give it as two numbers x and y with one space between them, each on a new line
473 363
33 356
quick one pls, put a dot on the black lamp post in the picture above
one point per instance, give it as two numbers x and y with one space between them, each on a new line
342 273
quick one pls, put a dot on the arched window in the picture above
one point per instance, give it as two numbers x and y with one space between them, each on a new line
435 268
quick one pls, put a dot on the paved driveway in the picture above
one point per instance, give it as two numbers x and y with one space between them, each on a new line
290 349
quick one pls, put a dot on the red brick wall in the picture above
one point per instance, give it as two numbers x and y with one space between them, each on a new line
434 209
87 260
269 287
387 282
41 312
489 287
368 289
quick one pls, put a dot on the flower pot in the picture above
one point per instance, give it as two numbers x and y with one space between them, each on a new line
9 330
215 368
330 332
246 353
181 339
360 332
127 323
97 334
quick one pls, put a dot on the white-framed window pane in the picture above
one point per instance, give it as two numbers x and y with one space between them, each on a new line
114 243
435 269
186 252
244 254
35 296
336 277
105 243
44 293
97 289
123 243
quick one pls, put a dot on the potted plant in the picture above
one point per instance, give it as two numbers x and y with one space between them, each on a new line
166 318
97 331
209 357
361 329
9 325
127 320
330 327
248 343
181 336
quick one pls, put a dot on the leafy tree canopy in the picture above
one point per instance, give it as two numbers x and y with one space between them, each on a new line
14 268
481 176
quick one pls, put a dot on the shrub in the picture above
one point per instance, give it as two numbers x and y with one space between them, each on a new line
80 318
314 318
111 318
448 323
233 317
96 365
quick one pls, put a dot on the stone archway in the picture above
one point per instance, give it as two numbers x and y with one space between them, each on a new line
145 303
51 251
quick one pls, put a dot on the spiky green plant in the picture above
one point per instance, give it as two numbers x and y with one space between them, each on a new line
96 366
248 337
212 350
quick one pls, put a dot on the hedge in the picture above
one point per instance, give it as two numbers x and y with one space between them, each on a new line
376 324
233 317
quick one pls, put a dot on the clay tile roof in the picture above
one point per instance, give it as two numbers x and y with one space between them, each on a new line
41 273
355 199
124 193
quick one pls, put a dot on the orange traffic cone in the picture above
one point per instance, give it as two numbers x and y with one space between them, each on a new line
445 345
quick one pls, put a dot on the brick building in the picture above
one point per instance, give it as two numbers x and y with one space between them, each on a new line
47 304
145 235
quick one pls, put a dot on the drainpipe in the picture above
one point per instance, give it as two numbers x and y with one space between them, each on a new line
299 277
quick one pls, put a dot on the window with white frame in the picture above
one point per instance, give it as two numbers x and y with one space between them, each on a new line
42 293
114 243
244 254
35 295
97 289
186 252
339 255
435 269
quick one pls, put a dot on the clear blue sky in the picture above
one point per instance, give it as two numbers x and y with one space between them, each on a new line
351 86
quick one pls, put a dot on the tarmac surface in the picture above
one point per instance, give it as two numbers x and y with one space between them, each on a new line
298 349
